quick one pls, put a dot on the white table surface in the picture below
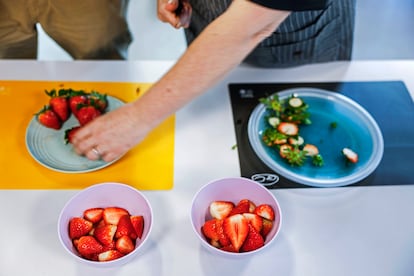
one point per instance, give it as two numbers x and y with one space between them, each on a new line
335 231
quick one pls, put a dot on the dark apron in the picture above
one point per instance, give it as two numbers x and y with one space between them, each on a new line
304 37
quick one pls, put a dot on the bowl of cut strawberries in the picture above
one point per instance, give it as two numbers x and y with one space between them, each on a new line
235 217
106 224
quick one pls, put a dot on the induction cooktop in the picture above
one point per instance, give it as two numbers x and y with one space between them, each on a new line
388 102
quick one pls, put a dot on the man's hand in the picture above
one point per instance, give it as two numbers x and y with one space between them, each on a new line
111 135
175 12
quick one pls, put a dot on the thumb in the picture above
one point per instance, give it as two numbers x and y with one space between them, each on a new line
171 5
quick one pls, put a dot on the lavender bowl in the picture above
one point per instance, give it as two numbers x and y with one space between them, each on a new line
232 189
105 195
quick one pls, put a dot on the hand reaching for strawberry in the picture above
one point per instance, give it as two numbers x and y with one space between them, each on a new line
111 135
99 134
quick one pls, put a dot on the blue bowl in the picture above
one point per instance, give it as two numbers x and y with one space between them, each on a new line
355 129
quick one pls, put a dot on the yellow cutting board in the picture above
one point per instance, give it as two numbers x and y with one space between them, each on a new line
148 166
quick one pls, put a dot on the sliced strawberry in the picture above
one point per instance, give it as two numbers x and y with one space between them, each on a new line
265 211
89 247
311 150
255 220
79 227
288 128
111 246
59 103
350 155
87 113
109 255
220 209
105 234
69 133
94 215
214 232
242 207
125 228
252 206
125 245
266 228
100 223
253 240
222 237
48 118
75 243
236 228
229 248
215 243
111 215
209 230
138 224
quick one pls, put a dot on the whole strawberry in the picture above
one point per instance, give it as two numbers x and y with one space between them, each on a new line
48 118
254 240
59 103
69 133
87 113
99 100
77 99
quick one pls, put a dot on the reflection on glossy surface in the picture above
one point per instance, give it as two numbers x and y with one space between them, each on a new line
355 128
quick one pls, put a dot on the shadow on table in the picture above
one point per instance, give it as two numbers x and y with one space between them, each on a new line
142 264
277 259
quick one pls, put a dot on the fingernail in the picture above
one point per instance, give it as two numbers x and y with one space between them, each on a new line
170 1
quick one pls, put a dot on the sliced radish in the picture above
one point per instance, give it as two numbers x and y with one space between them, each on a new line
288 128
350 155
296 141
311 150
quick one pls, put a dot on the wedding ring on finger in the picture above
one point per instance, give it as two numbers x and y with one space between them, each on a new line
96 152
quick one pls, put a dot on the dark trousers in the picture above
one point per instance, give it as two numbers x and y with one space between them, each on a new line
304 37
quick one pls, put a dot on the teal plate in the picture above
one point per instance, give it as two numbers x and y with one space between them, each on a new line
355 129
47 146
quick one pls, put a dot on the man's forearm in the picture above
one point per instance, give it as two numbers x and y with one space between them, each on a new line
220 48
